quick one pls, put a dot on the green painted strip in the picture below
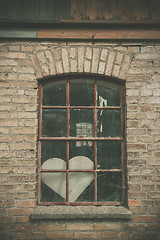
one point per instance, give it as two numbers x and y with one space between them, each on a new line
20 33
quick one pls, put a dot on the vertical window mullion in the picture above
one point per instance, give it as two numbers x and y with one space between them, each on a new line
95 173
67 144
39 144
40 110
39 172
95 110
123 143
95 143
67 174
68 109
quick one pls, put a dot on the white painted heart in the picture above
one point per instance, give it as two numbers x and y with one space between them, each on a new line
78 182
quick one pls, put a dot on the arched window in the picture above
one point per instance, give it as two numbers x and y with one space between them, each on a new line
81 141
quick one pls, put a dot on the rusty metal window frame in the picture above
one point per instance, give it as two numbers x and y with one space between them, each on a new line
95 139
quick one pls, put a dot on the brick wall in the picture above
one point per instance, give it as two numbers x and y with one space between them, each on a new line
21 64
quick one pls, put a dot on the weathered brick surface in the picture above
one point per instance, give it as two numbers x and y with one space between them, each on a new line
50 62
21 64
109 65
80 59
65 60
114 235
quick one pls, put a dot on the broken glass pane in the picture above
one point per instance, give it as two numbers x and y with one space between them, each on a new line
81 123
54 94
82 93
108 94
109 187
108 123
108 155
54 123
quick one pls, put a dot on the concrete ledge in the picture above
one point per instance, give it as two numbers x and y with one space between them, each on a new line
81 212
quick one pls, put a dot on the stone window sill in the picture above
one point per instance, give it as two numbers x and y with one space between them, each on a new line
81 212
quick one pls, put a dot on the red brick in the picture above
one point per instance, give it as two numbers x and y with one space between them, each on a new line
134 203
51 227
111 235
143 219
61 235
80 226
27 203
23 219
108 226
87 235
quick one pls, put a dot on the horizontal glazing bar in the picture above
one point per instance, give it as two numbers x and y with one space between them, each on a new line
81 139
80 107
98 170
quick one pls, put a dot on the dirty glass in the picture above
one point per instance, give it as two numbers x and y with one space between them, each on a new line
53 149
108 94
54 123
82 93
81 123
81 148
108 123
84 114
81 187
109 187
53 187
109 154
54 94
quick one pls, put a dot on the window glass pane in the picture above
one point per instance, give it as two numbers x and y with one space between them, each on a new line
81 123
81 152
108 155
54 94
108 94
108 123
54 123
82 149
82 93
109 187
53 187
81 187
53 149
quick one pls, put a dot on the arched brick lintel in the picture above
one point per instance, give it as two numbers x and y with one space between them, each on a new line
80 59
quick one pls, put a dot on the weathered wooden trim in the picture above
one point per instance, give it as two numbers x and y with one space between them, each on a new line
102 34
83 33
